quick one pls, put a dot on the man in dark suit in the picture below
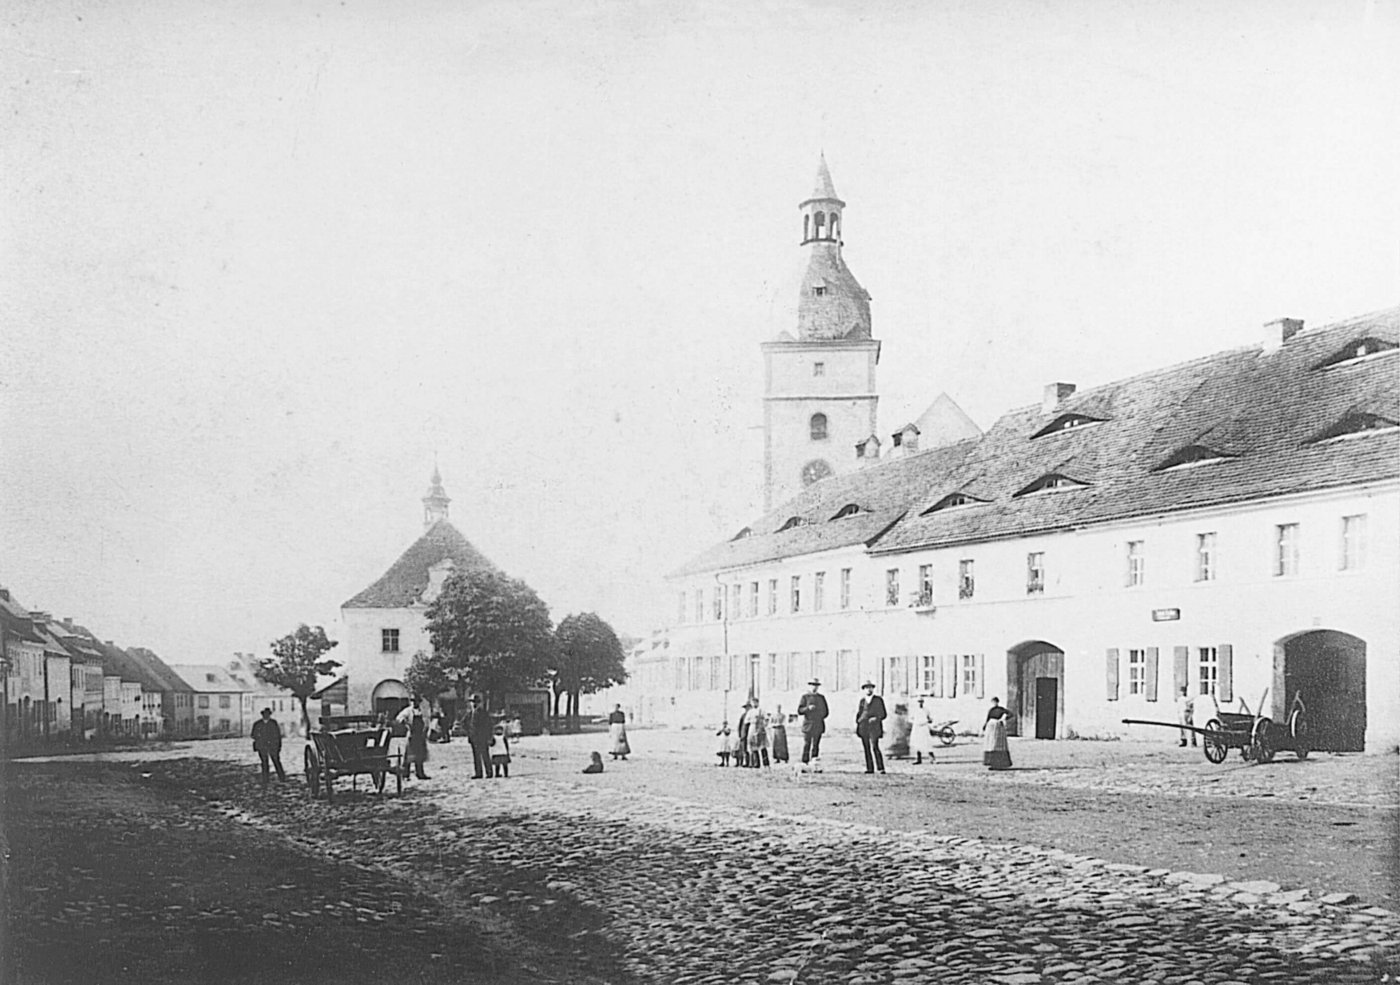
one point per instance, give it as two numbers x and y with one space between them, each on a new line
479 727
870 726
811 708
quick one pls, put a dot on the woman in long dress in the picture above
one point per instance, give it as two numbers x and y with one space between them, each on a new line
617 732
758 737
921 739
778 736
995 754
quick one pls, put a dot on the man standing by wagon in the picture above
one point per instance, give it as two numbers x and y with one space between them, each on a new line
812 710
267 743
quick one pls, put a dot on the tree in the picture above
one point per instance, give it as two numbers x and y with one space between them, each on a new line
426 677
491 632
588 658
297 659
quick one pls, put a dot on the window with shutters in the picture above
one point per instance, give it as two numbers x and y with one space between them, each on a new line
1207 669
928 673
1353 547
1205 556
1035 573
752 611
1136 564
1285 550
1137 671
892 586
795 596
1111 674
845 588
775 681
818 591
772 596
968 678
967 579
925 584
735 601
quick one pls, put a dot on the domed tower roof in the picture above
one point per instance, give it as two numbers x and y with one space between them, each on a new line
436 502
832 304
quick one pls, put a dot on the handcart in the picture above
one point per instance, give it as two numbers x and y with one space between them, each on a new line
1257 737
944 731
353 746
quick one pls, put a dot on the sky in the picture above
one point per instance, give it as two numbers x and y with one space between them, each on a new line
263 265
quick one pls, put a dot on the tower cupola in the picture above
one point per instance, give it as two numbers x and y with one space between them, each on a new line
832 304
435 503
821 214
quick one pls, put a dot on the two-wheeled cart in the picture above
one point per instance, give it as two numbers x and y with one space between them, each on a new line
1257 737
353 746
944 731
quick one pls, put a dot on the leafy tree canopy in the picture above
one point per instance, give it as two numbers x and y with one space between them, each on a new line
491 632
426 676
297 659
589 657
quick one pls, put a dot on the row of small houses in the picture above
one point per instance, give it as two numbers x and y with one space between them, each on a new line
62 684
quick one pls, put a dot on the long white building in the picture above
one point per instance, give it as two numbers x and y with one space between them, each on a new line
1230 524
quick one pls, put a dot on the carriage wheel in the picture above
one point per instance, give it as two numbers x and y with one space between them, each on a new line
1212 744
946 735
329 777
311 770
1302 738
1260 747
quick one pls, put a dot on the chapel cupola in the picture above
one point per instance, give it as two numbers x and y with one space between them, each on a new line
435 503
832 304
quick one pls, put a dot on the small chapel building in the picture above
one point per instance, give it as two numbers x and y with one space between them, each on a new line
386 624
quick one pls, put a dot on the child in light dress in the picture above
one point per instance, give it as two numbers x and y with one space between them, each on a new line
726 743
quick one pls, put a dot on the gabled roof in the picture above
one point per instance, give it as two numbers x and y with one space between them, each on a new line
158 668
117 662
1261 407
403 584
209 678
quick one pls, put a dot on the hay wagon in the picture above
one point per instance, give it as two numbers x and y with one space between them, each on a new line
1257 737
353 746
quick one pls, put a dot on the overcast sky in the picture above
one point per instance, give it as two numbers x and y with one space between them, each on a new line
264 262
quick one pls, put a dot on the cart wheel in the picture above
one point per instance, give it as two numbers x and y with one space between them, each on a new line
311 770
1302 738
398 776
946 735
330 794
378 777
1212 744
1260 747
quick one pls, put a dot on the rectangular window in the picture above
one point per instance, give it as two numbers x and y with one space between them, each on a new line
736 592
1353 555
928 674
818 369
224 701
680 610
772 596
773 676
845 588
1285 549
968 678
389 640
680 673
1205 557
699 605
794 671
846 670
716 672
736 672
926 584
795 599
1137 671
1208 667
818 590
225 725
892 586
753 599
967 579
821 666
1035 573
717 602
204 701
1136 560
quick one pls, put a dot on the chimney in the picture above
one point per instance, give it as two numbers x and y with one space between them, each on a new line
1279 331
1055 394
68 622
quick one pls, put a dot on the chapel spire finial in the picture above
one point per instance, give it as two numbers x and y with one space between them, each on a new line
435 503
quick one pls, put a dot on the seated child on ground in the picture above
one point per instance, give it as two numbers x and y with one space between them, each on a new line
596 763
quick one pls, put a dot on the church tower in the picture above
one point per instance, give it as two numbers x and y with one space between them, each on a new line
819 394
435 503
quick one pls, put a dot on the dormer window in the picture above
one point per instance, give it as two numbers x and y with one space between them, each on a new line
819 290
951 501
791 523
1191 456
1356 350
1066 422
1358 424
1051 482
741 534
850 509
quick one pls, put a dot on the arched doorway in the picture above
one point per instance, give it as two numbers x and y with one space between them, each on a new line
389 697
1035 688
1328 668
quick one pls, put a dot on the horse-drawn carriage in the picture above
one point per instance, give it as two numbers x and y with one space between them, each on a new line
353 746
1257 737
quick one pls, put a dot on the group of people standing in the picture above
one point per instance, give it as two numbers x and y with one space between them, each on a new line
760 741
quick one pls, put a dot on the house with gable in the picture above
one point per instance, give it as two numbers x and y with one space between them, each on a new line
384 625
218 701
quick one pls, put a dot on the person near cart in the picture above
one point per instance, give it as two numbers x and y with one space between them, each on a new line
267 743
921 736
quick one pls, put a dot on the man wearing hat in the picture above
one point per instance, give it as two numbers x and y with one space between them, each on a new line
479 726
267 743
813 711
870 726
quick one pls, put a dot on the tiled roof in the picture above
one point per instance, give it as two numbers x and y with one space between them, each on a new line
208 677
161 670
403 583
1264 408
116 661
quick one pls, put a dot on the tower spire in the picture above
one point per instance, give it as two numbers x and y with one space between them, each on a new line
832 304
435 503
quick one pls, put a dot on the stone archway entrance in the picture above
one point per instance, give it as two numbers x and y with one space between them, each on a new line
1329 669
1035 689
389 697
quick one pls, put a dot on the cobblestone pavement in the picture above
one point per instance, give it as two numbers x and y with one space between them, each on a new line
698 892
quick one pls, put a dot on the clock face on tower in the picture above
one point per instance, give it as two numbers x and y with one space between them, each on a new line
814 470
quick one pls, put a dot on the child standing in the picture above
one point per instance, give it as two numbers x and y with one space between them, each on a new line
500 751
726 743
